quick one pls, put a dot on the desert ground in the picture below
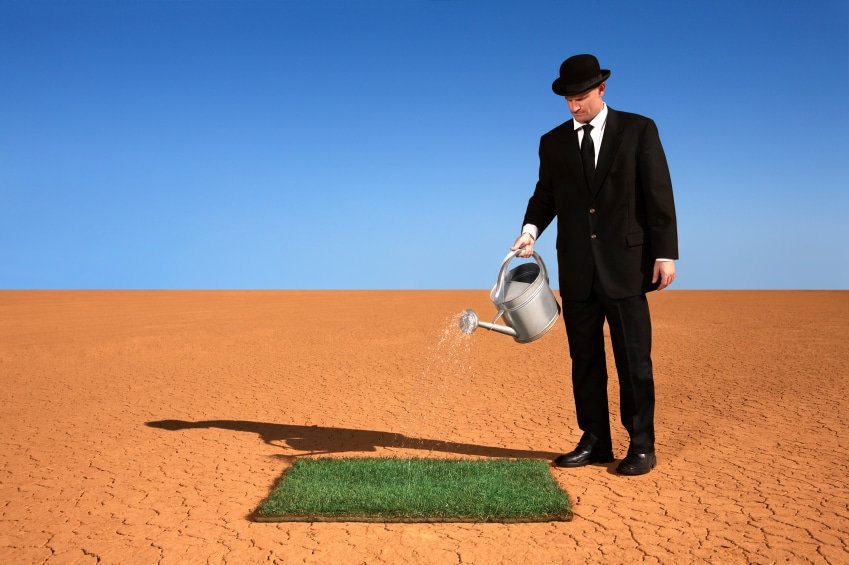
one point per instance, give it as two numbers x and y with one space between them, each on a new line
147 426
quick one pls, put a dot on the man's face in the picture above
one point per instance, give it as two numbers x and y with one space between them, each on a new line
586 105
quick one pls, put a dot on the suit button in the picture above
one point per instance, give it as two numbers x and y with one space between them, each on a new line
592 236
592 210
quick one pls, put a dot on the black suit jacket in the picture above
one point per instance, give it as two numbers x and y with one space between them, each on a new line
618 226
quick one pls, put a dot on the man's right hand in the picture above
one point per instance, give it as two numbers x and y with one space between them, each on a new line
525 242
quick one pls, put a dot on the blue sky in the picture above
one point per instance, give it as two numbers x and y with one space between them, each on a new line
393 144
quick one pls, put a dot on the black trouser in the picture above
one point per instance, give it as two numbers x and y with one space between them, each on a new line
630 333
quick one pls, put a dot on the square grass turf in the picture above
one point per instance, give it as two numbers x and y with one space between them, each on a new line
416 490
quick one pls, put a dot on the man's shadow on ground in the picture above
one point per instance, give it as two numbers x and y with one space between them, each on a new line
316 440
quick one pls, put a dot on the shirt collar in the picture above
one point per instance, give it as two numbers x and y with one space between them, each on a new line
597 122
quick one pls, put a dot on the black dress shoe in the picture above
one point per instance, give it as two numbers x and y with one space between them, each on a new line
584 454
637 464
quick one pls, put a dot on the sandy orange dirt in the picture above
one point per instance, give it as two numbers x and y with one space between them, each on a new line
146 426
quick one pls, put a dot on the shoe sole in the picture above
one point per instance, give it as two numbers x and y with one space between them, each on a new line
591 461
635 472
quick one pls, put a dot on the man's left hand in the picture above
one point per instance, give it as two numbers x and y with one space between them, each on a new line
664 272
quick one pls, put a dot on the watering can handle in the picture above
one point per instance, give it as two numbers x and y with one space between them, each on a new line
502 276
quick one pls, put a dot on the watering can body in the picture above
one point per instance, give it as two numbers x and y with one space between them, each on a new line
523 298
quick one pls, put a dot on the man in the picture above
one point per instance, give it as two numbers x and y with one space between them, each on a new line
609 187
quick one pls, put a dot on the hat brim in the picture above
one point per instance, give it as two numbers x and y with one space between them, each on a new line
562 89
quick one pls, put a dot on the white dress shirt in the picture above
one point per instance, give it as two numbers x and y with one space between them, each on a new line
597 133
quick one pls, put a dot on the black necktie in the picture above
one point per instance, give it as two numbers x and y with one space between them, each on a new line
588 155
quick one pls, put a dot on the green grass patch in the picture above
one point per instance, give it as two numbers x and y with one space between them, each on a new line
416 490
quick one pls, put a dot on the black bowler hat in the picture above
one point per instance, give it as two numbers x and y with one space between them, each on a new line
578 74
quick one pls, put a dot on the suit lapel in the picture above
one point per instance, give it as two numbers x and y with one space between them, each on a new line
572 153
609 147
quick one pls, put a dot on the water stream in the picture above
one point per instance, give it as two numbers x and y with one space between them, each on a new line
437 395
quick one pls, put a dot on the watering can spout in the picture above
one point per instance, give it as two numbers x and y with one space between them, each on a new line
498 328
469 322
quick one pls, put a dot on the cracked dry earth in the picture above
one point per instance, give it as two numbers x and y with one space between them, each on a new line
146 426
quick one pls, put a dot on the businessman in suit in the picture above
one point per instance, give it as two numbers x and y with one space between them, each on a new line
604 176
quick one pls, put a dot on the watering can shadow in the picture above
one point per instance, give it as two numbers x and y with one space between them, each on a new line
523 298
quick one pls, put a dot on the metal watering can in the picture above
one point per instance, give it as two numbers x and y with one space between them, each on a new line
523 298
